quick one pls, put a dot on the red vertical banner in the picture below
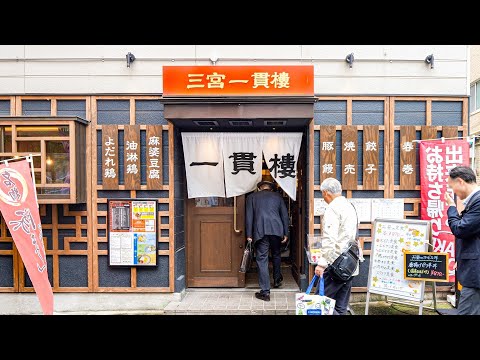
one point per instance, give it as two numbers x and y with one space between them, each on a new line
437 158
18 205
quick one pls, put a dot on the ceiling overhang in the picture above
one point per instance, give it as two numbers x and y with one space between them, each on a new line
295 107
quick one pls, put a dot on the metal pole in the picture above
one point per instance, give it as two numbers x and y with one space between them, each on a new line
367 303
30 161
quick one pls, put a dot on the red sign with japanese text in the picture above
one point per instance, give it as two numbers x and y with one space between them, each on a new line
437 158
18 205
288 80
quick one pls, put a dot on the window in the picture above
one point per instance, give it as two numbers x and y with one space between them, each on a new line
55 161
475 97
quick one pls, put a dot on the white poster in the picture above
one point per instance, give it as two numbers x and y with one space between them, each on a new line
387 208
319 206
204 164
363 208
242 159
281 152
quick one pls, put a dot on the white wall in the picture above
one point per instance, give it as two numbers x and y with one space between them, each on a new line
101 69
474 77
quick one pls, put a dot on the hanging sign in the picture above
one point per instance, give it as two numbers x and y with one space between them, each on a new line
203 164
242 158
230 164
132 232
281 155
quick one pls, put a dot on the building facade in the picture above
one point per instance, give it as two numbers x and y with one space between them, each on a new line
90 94
475 101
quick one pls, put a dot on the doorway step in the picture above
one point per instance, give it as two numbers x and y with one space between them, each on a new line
214 301
239 301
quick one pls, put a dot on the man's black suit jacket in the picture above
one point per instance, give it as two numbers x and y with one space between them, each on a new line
266 214
466 228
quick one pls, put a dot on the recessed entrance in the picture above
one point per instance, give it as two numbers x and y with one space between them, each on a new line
215 237
215 227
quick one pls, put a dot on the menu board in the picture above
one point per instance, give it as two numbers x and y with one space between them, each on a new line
132 232
391 239
426 266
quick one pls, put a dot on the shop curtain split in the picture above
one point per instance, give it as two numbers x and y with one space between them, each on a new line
19 208
230 164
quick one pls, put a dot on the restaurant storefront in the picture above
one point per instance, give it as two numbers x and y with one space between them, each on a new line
86 158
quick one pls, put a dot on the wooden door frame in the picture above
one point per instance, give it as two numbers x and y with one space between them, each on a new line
241 202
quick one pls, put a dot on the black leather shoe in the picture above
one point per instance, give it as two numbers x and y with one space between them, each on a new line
277 283
264 297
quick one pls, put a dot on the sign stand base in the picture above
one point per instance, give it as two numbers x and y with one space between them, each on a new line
420 305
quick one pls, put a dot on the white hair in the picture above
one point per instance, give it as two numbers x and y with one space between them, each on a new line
331 185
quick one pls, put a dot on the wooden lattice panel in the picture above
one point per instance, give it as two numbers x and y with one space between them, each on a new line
154 135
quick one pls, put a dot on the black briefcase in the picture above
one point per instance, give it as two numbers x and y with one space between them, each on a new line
247 258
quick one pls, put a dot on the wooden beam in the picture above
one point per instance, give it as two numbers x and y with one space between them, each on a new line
132 111
349 111
18 106
53 107
94 216
91 165
388 144
13 100
55 250
428 113
465 114
171 208
429 132
449 131
311 183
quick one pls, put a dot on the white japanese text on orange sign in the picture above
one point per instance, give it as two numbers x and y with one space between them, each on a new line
258 79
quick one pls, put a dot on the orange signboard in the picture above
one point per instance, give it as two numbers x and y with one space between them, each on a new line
288 80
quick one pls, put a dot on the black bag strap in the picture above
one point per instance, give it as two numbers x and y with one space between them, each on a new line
357 235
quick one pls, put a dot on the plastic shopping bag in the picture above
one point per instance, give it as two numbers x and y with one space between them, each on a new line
306 304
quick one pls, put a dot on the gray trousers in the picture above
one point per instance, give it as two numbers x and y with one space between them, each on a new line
469 303
262 247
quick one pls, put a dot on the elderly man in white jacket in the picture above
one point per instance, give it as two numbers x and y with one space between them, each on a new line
339 226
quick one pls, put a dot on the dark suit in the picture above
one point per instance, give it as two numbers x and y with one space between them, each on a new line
466 228
266 224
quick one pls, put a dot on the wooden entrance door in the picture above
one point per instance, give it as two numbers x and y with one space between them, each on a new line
214 246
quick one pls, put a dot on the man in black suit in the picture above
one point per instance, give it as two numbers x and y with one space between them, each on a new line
267 227
466 228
